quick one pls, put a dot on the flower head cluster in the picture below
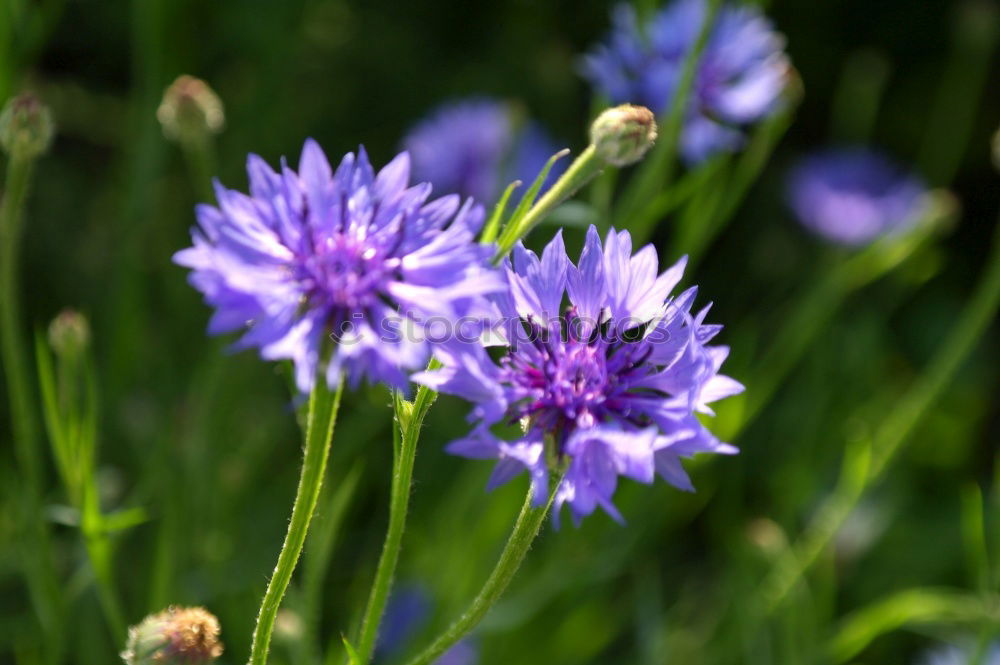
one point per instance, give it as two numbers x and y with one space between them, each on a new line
854 196
739 80
26 127
190 110
340 269
608 386
624 134
175 636
475 147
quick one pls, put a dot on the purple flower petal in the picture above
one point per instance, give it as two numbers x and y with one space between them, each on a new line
359 257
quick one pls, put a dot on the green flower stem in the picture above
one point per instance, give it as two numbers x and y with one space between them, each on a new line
701 224
98 546
15 351
953 112
8 55
657 170
858 96
69 404
323 406
199 153
889 437
580 172
817 304
529 521
409 418
643 222
15 356
323 539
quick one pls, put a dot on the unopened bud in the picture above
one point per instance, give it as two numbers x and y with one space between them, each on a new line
767 536
176 636
288 626
190 110
622 135
69 333
26 126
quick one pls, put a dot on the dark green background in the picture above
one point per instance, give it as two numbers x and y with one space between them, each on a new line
211 439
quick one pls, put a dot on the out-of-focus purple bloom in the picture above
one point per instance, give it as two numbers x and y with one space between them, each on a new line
408 611
609 386
351 256
464 652
739 79
476 148
853 196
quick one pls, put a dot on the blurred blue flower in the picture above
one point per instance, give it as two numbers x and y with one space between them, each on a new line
609 386
953 655
851 196
475 147
739 80
408 611
347 255
463 653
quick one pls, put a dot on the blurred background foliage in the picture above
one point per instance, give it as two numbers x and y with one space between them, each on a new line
206 444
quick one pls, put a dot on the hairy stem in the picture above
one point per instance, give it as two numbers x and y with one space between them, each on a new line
323 405
529 521
889 437
409 418
15 356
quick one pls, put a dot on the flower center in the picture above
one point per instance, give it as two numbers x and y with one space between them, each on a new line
348 273
558 378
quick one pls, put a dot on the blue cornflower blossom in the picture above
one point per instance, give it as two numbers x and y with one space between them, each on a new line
739 79
851 196
609 386
475 147
338 271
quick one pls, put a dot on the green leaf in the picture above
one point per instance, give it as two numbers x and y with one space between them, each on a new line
50 407
403 408
124 519
352 655
974 536
492 227
907 608
529 197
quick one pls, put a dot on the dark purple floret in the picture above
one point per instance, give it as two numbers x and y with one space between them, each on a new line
609 385
854 196
338 271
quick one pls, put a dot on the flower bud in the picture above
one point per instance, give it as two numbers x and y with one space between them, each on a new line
766 536
190 110
69 333
26 126
622 135
176 636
